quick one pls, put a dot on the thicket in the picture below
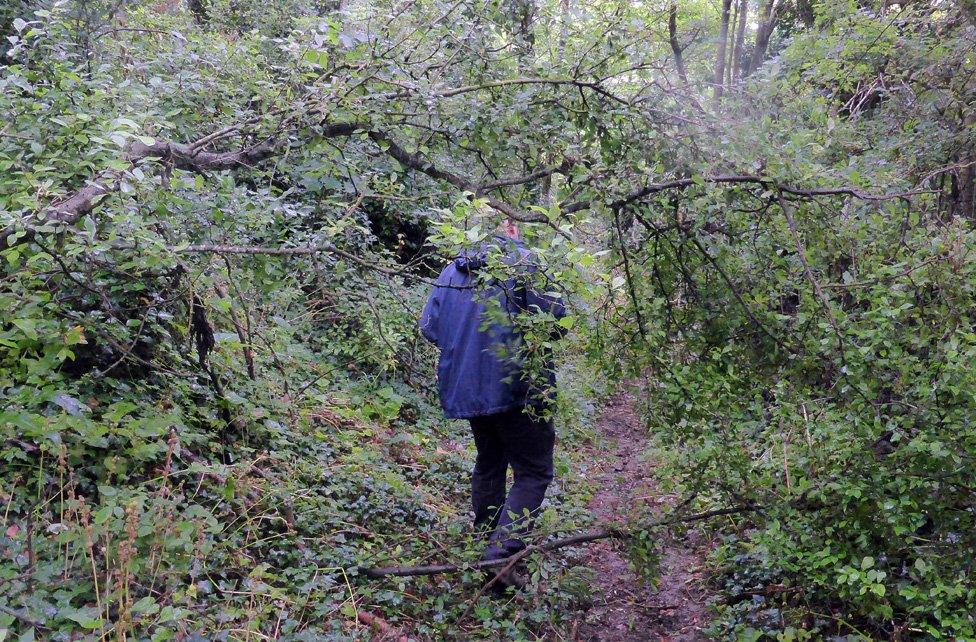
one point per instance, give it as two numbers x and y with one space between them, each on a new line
219 222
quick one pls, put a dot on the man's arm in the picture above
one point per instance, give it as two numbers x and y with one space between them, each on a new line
431 315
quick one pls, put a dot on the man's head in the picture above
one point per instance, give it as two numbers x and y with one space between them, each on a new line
509 228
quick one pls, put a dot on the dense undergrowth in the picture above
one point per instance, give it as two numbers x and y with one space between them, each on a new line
218 222
210 444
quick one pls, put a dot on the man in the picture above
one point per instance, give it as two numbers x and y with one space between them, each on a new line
481 377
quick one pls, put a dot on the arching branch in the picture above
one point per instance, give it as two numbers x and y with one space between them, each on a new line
189 157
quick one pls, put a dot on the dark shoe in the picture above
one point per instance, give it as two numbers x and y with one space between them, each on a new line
513 578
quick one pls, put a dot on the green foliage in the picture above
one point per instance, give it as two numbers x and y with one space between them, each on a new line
820 374
216 410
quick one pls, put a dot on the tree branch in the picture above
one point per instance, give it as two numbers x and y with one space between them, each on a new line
182 156
419 162
764 181
191 157
738 296
583 538
562 168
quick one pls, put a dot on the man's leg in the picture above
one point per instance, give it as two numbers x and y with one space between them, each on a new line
488 477
528 446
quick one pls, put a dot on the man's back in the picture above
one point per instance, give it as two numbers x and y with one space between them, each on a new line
479 370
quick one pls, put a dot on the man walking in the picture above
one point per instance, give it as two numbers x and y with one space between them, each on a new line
481 377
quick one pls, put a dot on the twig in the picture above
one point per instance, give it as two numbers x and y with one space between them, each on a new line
487 585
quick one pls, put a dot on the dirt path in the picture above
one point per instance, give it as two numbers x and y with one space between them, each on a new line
625 608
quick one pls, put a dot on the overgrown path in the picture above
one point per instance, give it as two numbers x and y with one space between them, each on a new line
627 608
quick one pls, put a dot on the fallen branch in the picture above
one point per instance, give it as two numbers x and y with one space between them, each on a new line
384 629
763 181
192 157
420 163
187 157
583 538
738 296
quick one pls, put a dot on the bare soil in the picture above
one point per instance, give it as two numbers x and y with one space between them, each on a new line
626 608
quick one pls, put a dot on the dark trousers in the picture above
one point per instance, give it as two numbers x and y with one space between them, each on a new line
515 439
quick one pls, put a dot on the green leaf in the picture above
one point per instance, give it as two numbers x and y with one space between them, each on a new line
146 606
27 326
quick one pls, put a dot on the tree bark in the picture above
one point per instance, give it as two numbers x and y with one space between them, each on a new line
766 25
730 57
720 55
740 40
676 47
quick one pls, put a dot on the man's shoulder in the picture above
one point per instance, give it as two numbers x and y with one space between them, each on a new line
450 275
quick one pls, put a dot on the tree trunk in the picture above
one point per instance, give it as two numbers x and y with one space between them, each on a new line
965 191
723 41
730 58
675 45
199 10
804 9
964 201
738 59
766 24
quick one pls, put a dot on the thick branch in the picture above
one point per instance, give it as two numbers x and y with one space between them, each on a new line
562 168
583 538
802 254
738 296
763 181
187 157
191 157
419 162
530 80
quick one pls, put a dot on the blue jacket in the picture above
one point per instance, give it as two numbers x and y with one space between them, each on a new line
478 372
